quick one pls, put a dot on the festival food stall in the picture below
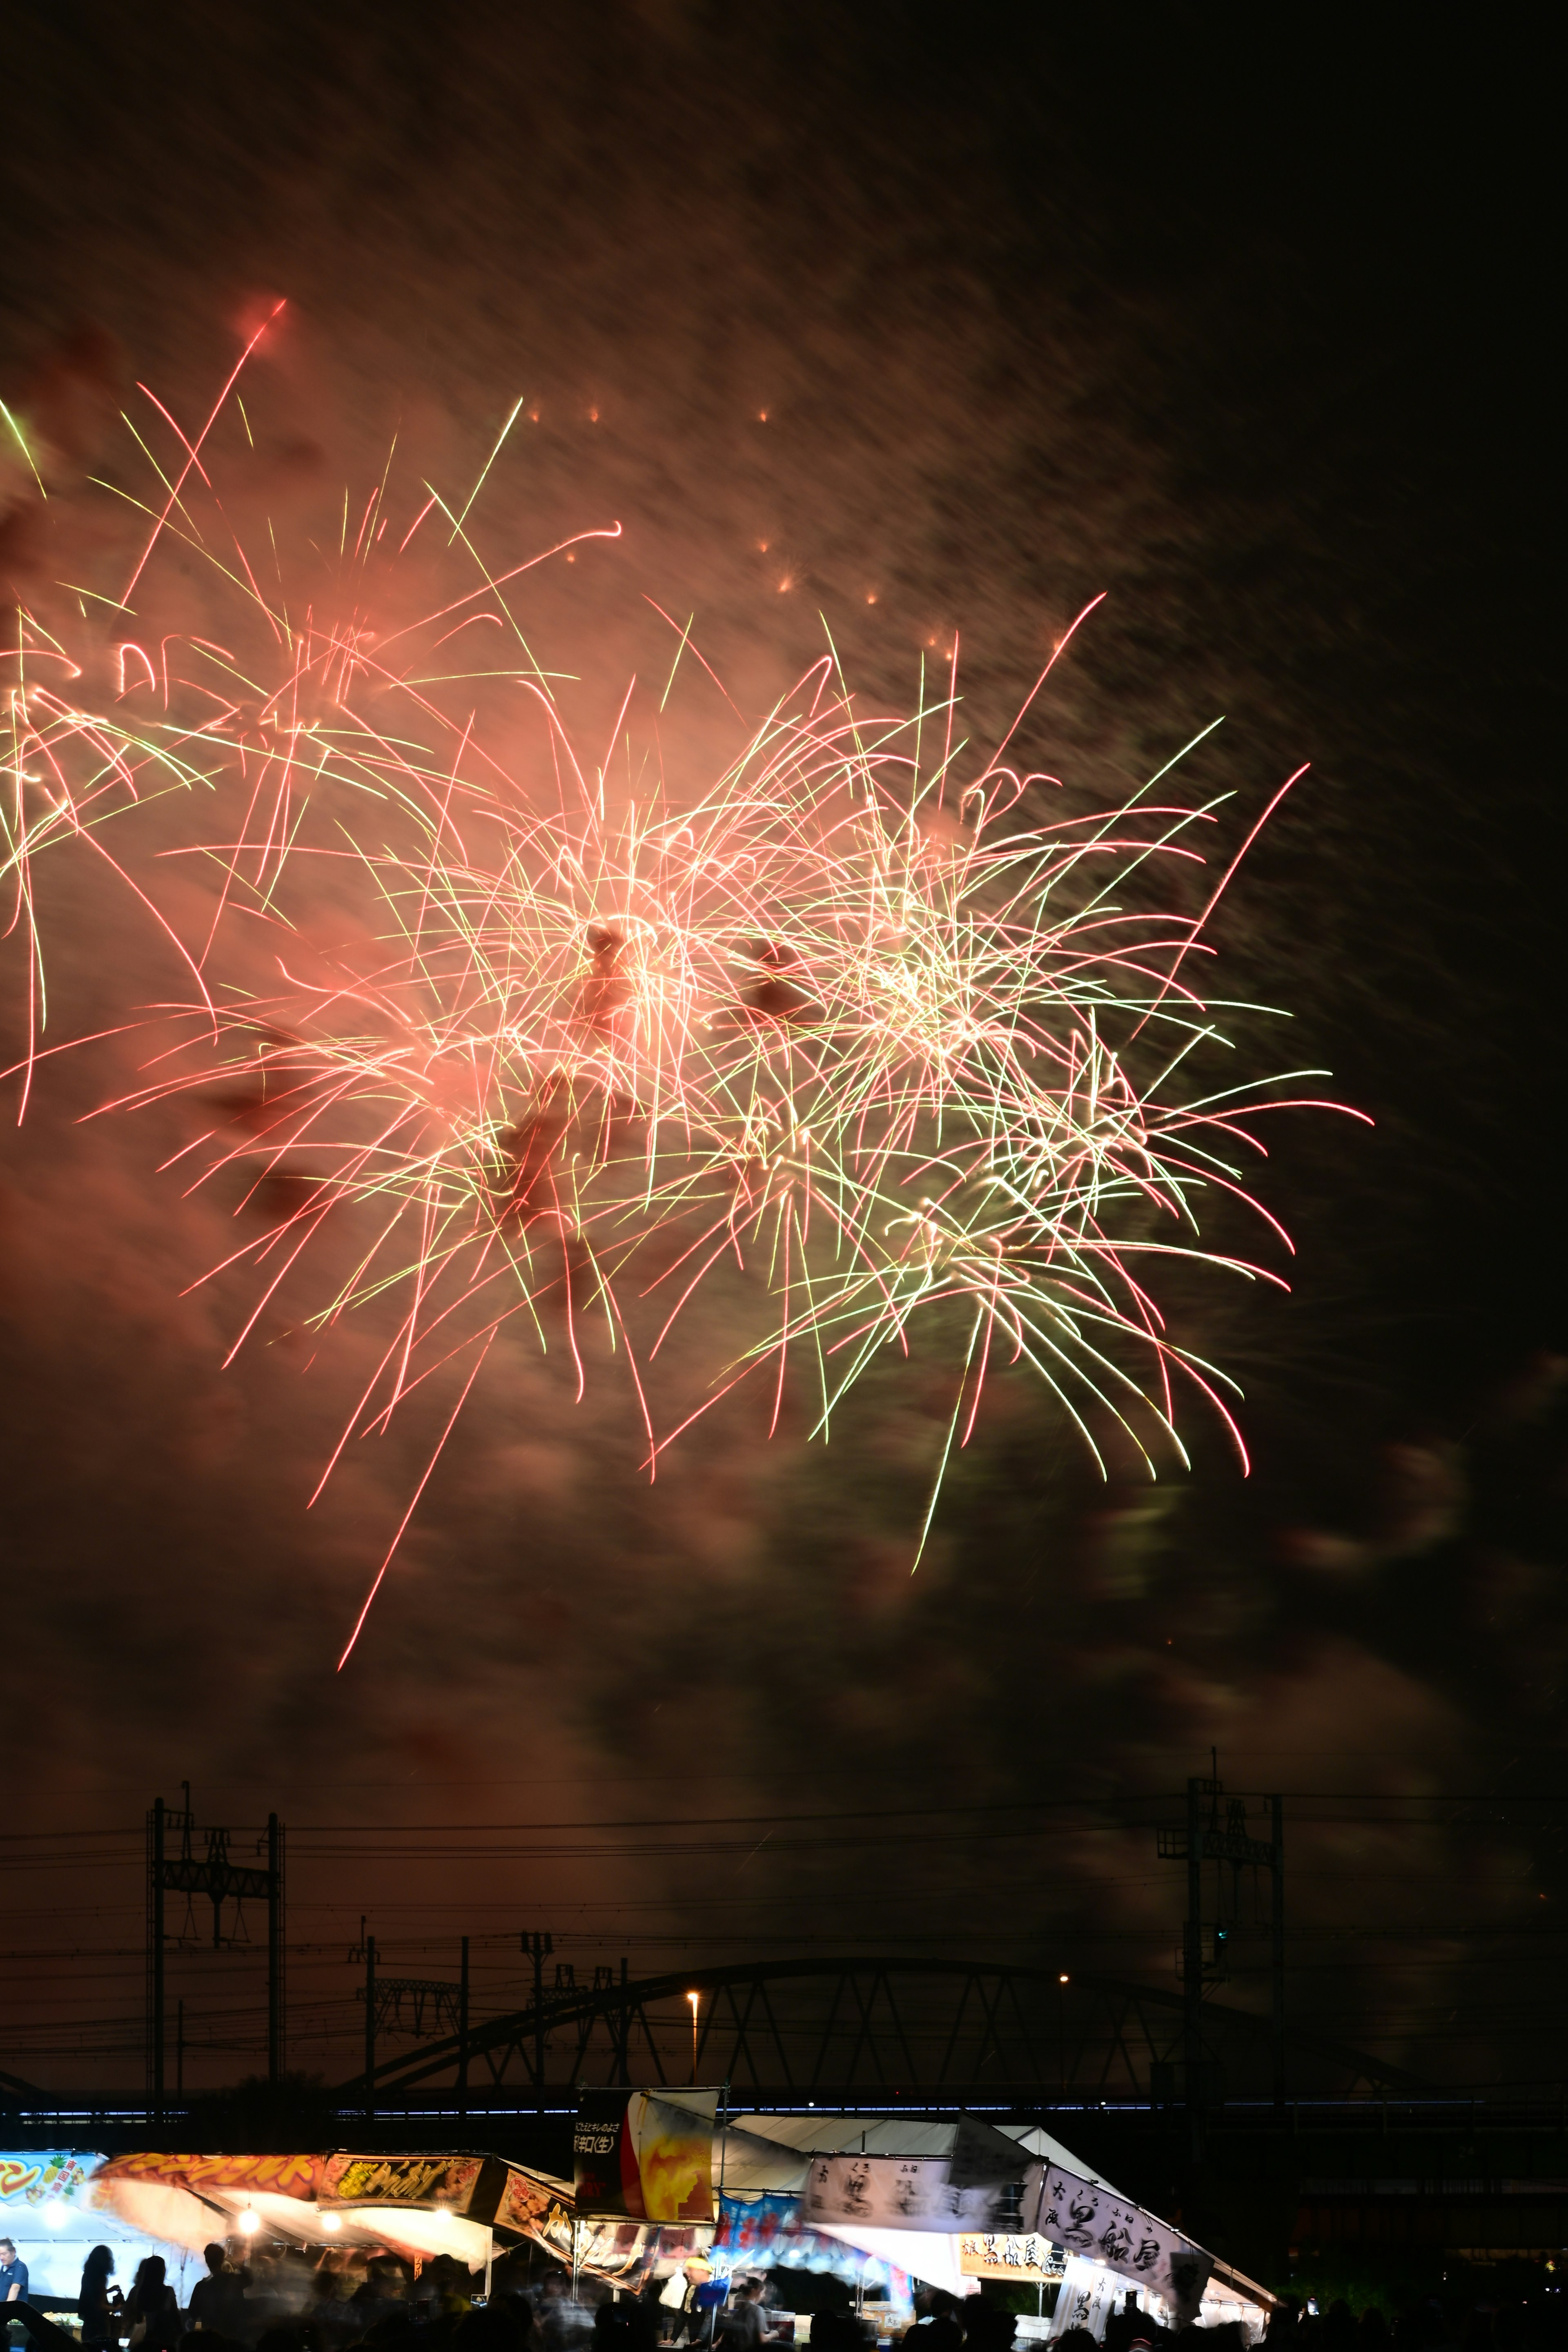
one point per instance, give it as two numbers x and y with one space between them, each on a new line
56 2205
415 2206
665 2189
887 2200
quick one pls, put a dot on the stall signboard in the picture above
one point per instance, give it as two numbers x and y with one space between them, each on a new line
523 2202
1029 2260
639 2157
278 2175
46 2176
443 2183
607 2250
1082 2217
1086 2218
907 2192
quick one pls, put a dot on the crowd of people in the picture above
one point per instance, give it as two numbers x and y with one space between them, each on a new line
1457 2313
289 2299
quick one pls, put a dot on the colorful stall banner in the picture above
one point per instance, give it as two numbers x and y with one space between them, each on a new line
763 2232
1031 2261
281 2175
675 2157
50 2205
643 2157
755 2229
51 2177
523 2201
908 2193
1086 2217
603 2168
446 2182
613 2251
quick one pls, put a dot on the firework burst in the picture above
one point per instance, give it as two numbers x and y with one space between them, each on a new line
862 1022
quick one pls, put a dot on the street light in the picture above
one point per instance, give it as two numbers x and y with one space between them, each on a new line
1062 2036
693 1998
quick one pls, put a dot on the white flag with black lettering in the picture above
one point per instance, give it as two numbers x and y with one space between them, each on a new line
907 2192
1086 2218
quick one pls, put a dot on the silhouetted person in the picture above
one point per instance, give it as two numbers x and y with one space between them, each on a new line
562 2323
1420 2328
986 2326
328 2313
838 2331
99 2310
937 2328
287 2336
383 2285
151 2309
216 2301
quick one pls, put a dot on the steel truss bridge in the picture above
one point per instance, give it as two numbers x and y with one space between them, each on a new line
834 2030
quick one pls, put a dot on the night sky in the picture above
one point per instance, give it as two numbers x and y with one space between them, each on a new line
1250 334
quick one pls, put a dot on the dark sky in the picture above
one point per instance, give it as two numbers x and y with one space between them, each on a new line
1250 332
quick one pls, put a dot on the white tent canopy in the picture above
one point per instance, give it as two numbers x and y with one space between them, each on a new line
192 2220
771 2152
761 2152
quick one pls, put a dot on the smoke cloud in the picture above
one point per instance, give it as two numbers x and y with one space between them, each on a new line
833 330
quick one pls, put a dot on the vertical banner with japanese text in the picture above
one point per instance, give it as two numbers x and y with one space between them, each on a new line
645 2156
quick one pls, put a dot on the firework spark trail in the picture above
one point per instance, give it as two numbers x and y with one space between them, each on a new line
884 1041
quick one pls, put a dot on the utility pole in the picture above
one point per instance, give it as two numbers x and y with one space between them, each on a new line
1277 1922
156 1820
1192 1973
463 2031
221 1881
537 1947
370 2029
1201 1840
274 1948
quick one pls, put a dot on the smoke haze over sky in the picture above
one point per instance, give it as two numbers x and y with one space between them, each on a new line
977 319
